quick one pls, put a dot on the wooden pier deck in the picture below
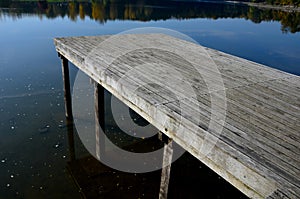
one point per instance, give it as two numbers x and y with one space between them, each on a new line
258 150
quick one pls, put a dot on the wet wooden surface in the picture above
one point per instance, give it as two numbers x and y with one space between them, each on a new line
172 84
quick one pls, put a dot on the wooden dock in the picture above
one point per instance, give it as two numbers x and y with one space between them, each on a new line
258 149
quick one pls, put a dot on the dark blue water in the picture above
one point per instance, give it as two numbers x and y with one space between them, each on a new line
33 144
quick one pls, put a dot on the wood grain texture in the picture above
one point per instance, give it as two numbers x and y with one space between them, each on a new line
172 84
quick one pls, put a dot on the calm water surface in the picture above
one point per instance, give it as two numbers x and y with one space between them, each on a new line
33 135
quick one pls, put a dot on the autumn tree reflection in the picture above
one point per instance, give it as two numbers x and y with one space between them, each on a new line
98 11
72 11
81 12
145 10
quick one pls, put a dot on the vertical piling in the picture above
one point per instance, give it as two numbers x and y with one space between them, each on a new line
99 120
67 89
166 168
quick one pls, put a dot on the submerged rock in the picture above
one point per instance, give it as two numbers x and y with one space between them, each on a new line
61 126
44 129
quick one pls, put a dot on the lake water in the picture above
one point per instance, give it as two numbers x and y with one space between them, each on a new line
34 152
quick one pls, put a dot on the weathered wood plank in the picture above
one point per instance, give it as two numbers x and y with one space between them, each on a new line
166 80
250 143
233 124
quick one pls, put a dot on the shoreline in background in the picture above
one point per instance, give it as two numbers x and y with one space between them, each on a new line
286 8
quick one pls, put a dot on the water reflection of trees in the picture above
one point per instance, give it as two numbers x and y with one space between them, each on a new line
145 10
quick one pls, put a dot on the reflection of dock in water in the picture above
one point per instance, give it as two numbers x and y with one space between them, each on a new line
191 178
178 91
95 180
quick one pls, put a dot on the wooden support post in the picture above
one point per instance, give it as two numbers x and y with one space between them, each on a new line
67 89
166 170
99 120
70 129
